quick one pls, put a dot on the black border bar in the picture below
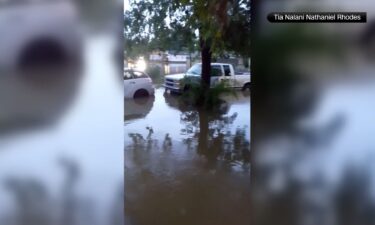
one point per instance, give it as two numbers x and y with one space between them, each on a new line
317 17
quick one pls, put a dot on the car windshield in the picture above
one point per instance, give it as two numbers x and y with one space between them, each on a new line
138 74
196 69
131 74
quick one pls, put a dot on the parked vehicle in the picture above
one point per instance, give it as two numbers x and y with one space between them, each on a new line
220 72
39 33
137 84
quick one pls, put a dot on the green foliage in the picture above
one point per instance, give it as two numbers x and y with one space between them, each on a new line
154 71
178 24
209 98
147 28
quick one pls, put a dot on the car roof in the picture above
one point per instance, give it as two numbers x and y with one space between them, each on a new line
128 69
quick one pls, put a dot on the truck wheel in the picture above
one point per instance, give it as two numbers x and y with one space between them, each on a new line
246 87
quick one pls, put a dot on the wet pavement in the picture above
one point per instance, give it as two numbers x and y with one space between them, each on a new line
187 166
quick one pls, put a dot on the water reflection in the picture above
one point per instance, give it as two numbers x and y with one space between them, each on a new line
213 135
196 171
137 108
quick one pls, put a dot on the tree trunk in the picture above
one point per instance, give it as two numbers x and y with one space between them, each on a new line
190 59
206 63
206 71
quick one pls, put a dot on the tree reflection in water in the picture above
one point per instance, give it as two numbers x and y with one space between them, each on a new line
212 131
204 178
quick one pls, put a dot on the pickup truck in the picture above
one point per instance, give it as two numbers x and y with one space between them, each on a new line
220 72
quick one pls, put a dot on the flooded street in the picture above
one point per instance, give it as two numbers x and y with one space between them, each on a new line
184 166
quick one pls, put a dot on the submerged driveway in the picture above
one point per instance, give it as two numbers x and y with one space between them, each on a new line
187 166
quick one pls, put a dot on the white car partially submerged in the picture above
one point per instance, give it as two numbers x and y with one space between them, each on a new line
137 84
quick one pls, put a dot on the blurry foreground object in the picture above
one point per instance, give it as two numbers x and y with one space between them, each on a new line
61 130
312 118
38 33
40 61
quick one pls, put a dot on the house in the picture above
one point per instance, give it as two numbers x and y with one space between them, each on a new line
170 62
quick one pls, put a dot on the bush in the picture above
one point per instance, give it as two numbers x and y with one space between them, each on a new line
208 98
154 71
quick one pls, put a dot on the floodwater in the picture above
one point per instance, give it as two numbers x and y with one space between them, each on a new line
187 166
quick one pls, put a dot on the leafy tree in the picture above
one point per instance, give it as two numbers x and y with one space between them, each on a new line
215 26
